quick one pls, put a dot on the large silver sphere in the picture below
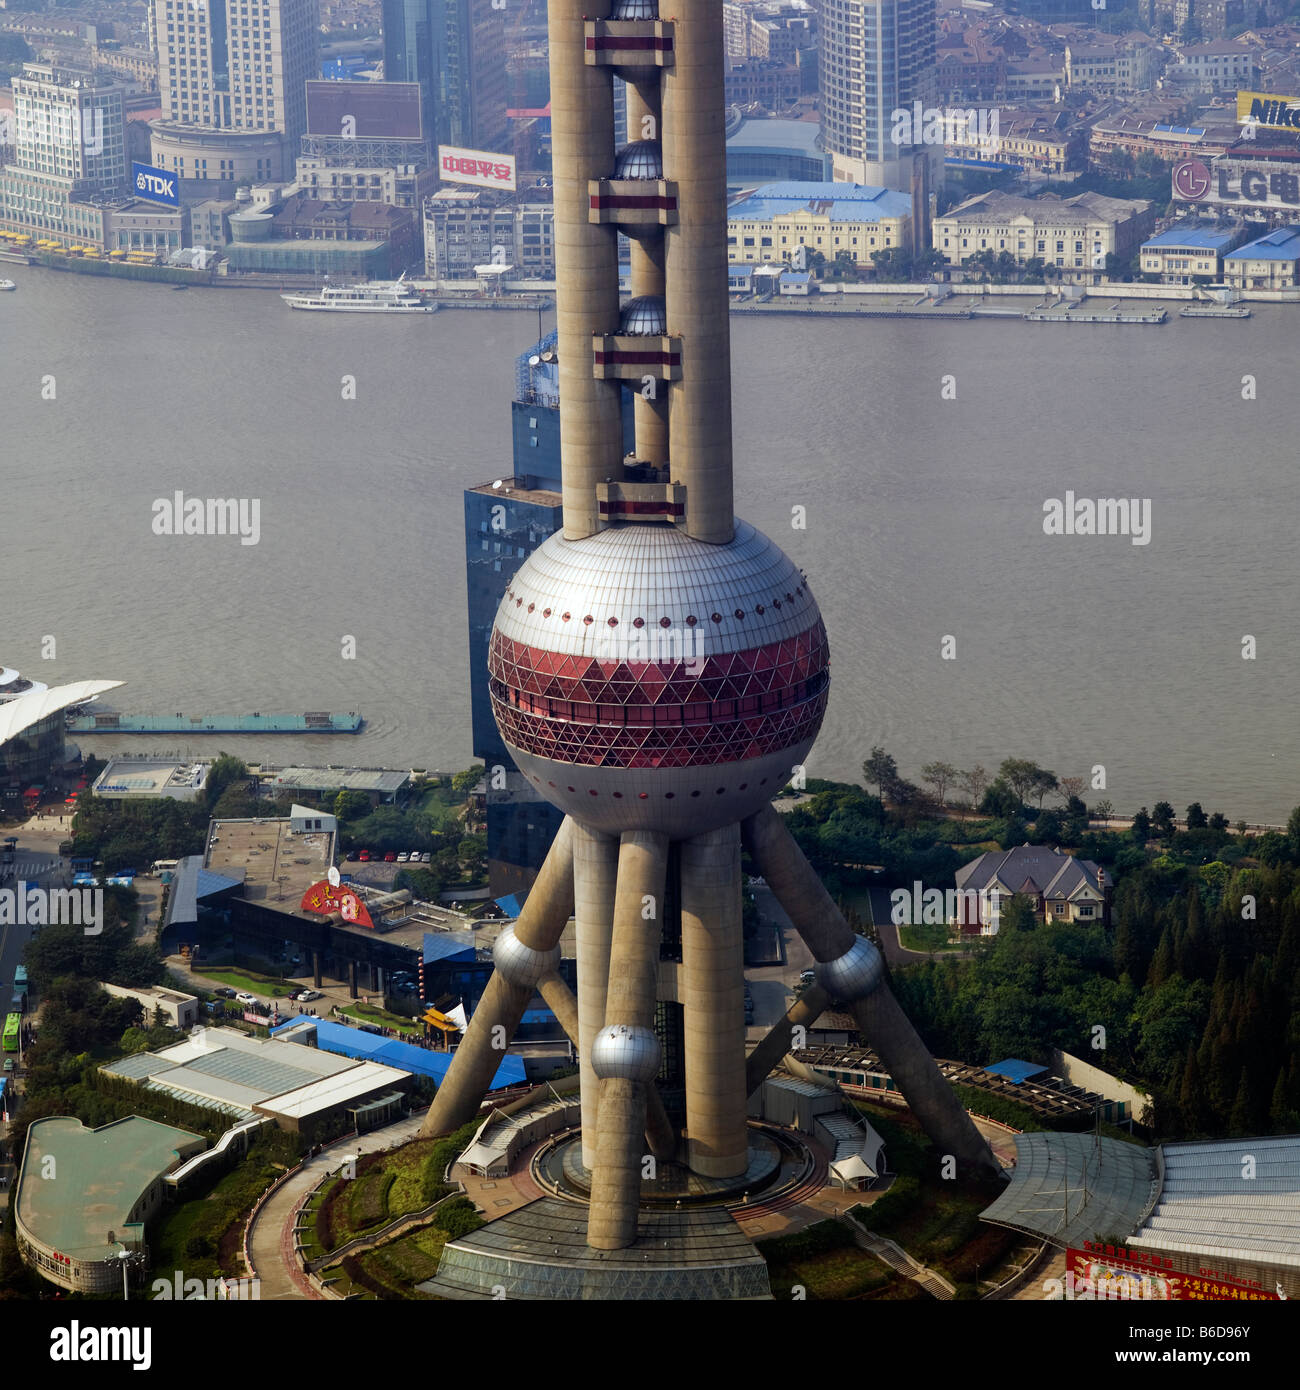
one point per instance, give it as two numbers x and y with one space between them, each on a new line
635 9
522 965
645 680
853 975
624 1051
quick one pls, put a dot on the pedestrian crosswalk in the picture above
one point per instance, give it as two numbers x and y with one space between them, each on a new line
29 868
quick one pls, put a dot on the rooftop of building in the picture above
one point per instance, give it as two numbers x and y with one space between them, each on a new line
1190 237
364 779
102 1173
1207 1207
1036 869
517 489
842 202
278 864
159 992
754 133
224 1069
1080 207
18 715
149 776
1283 244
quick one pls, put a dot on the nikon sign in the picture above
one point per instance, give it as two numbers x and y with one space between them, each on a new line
1276 113
1237 183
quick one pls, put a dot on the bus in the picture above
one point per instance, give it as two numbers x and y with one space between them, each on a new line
13 1022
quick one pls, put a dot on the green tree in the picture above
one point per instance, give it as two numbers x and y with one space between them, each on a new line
462 783
1141 828
1196 817
225 769
350 804
881 771
940 776
1000 800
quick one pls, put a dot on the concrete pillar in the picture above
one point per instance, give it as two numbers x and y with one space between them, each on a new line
650 415
352 980
659 1131
713 1003
315 968
882 1023
586 263
805 1011
699 408
540 926
630 1001
595 873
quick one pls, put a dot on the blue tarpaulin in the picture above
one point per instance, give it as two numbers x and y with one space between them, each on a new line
392 1052
1015 1071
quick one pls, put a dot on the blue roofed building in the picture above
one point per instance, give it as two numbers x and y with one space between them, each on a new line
1269 262
847 220
1188 251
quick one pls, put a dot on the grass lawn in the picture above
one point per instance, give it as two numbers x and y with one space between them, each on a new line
402 1195
251 984
925 938
825 1261
343 1285
406 1262
369 1013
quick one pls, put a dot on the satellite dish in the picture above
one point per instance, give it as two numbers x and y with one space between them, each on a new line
534 360
333 876
498 483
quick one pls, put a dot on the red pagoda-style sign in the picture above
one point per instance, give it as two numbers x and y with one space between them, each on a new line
325 898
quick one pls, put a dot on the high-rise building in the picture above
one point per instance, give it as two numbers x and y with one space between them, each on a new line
69 154
877 60
656 670
232 76
455 50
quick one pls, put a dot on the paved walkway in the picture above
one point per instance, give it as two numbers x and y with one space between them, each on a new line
270 1239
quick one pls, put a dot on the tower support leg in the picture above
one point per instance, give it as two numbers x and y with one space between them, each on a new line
850 968
625 1055
804 1012
713 999
539 927
595 873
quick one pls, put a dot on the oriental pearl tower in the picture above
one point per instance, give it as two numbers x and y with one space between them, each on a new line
660 668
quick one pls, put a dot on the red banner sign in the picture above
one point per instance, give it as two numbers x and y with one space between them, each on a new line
325 899
1150 1274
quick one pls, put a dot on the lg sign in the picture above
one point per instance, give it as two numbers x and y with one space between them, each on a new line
1233 182
156 185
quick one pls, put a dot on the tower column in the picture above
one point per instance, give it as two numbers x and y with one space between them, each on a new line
586 263
595 873
694 144
626 1053
713 998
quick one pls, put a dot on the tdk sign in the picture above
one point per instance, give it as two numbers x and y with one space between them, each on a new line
157 185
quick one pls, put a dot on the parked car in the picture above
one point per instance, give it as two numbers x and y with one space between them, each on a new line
391 857
305 996
426 857
415 856
807 977
354 854
224 992
364 856
403 857
246 998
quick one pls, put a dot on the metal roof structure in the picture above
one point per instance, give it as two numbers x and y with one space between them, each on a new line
20 714
1015 1071
1215 1202
1075 1187
1194 238
1283 244
385 781
844 202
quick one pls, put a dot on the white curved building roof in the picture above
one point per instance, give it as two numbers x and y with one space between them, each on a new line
29 709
